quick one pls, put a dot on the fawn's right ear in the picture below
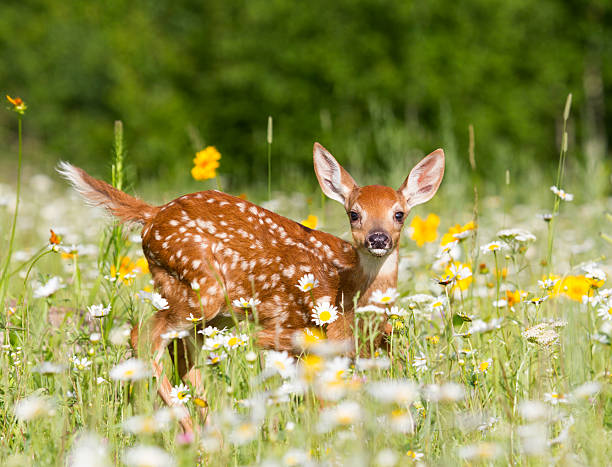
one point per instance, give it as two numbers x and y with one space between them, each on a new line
334 180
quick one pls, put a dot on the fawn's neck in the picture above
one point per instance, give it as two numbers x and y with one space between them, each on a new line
375 273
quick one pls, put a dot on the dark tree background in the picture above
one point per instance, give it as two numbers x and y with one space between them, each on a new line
365 77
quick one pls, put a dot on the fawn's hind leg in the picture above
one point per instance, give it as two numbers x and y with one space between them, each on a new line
188 370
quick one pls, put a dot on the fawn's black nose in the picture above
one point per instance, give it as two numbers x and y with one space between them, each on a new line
378 241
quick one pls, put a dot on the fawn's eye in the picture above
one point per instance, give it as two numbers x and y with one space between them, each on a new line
354 216
399 216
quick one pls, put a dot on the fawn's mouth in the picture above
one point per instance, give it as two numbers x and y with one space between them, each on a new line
379 251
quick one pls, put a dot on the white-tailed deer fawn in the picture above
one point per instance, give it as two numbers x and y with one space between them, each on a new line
232 249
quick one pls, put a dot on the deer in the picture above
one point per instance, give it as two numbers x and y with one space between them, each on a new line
208 248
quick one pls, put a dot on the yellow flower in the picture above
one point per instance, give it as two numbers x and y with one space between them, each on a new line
18 105
576 287
310 222
205 164
424 231
461 273
457 232
128 269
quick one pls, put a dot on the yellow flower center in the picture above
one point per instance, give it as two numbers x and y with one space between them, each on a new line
484 366
182 395
233 341
324 316
129 372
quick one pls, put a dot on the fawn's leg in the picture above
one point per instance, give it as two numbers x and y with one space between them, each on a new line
158 346
188 370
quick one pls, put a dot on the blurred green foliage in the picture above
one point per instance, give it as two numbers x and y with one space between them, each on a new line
376 81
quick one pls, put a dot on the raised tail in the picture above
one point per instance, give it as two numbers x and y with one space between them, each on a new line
99 193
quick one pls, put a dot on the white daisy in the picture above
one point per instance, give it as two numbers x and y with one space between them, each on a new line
605 312
280 362
324 313
98 311
246 303
394 391
216 342
33 407
149 456
174 334
555 398
344 414
235 341
420 363
214 358
49 368
49 288
194 319
516 235
492 247
130 370
460 272
547 284
158 302
562 194
484 366
371 309
384 298
396 312
80 363
307 283
180 394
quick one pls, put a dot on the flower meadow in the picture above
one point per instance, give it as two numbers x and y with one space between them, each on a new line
499 350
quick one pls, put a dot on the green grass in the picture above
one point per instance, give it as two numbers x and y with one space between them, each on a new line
250 422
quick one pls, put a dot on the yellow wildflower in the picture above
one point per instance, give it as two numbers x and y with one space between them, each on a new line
424 230
128 269
457 232
461 273
205 163
310 222
576 287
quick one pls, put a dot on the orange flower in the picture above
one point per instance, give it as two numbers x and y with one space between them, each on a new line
54 239
515 297
424 231
18 104
205 164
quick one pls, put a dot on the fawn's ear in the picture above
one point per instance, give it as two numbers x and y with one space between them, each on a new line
424 179
334 180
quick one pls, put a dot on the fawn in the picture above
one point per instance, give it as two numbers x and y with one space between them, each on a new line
229 248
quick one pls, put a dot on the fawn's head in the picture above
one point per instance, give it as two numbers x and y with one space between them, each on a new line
376 212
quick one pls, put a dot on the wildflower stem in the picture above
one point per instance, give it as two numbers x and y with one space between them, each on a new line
4 277
269 140
560 173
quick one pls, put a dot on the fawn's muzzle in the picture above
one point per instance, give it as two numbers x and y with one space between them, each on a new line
378 243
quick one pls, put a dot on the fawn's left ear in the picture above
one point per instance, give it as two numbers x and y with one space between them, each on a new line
334 180
424 179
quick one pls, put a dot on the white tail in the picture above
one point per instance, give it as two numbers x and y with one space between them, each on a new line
230 249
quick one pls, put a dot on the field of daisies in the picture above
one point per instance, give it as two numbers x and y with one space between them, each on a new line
499 351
